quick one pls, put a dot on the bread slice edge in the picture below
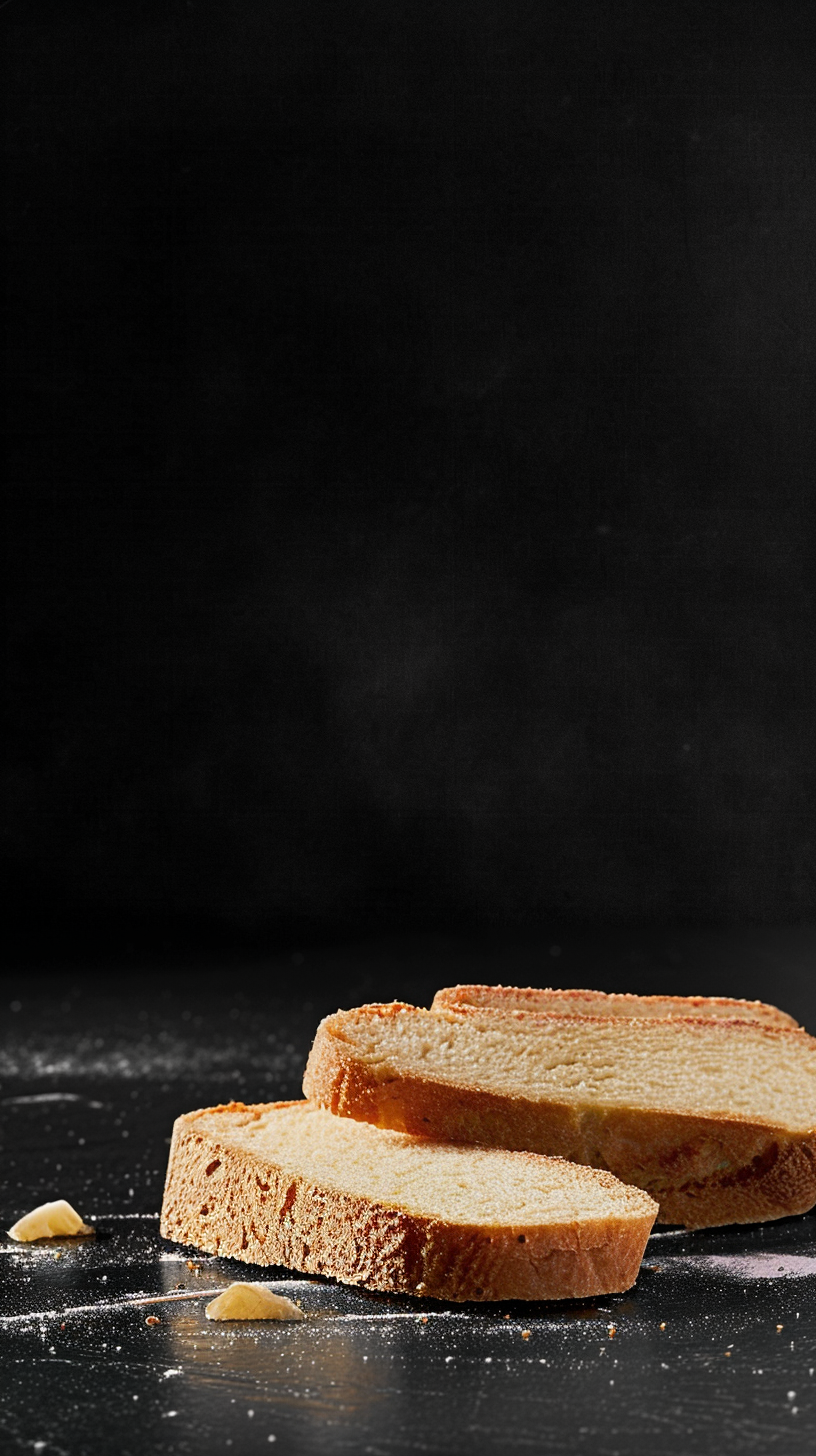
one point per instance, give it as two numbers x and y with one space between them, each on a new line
583 1002
227 1200
704 1171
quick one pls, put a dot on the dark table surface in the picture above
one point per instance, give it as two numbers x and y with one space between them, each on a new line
713 1350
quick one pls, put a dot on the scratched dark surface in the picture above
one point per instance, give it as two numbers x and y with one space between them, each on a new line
714 1349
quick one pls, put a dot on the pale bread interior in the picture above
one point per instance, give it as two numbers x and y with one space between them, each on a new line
460 1185
717 1068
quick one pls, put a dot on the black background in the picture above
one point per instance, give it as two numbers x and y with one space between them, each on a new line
409 411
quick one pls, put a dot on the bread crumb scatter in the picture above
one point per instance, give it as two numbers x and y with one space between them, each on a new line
613 1330
54 1220
525 1334
152 1319
663 1326
779 1327
252 1302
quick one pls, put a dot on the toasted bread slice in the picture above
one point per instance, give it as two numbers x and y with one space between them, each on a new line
604 1003
715 1119
287 1183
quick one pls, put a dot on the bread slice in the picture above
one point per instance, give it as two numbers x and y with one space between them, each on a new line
603 1003
287 1183
715 1119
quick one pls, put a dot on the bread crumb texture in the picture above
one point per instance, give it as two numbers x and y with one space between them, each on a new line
715 1118
716 1067
292 1185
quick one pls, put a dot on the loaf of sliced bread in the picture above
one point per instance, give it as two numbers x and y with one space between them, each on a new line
289 1184
603 1003
715 1119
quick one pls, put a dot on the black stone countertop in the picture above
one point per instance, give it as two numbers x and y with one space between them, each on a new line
713 1350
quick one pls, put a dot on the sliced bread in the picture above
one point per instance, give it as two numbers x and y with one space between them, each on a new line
715 1119
603 1003
287 1183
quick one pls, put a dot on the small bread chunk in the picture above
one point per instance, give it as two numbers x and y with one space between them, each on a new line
252 1302
716 1119
49 1221
604 1003
289 1184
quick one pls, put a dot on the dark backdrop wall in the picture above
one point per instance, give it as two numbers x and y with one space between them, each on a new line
411 453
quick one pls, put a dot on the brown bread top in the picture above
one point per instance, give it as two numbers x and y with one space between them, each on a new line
605 1003
290 1184
716 1119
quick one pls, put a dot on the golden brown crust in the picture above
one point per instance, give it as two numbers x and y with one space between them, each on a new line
715 1026
227 1200
702 1170
601 1003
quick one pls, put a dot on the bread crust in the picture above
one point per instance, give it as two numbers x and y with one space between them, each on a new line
225 1199
602 1003
702 1170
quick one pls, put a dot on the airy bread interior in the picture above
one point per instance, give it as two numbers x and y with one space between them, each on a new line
707 1067
460 1185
